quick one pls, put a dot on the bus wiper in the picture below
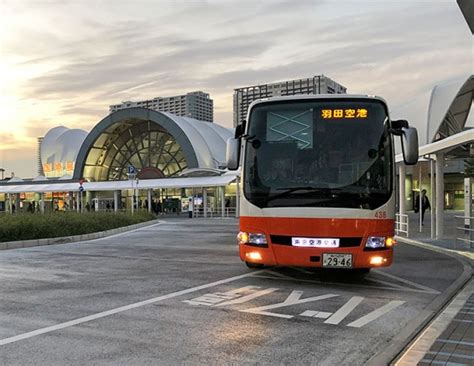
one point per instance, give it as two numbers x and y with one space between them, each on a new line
303 188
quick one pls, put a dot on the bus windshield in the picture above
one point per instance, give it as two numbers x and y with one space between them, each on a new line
318 153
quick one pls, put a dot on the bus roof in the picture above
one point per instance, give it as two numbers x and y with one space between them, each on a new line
315 97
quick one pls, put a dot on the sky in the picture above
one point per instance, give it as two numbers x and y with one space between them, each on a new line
64 62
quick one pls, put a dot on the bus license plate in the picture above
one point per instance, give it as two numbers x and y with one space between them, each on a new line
337 260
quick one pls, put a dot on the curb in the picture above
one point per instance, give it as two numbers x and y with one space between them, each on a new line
399 345
75 238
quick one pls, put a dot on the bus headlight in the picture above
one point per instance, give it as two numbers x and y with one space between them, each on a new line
375 242
252 238
257 239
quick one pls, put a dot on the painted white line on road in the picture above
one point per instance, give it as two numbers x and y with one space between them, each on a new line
416 285
119 310
375 314
392 287
243 299
124 233
345 310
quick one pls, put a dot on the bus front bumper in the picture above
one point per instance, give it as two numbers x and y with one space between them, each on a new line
276 255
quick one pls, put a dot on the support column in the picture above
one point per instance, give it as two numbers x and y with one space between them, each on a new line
115 201
222 190
237 193
468 234
17 202
42 202
433 199
420 200
439 195
401 194
70 201
204 200
149 199
10 203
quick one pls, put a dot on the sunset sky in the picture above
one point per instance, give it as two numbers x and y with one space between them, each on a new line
64 62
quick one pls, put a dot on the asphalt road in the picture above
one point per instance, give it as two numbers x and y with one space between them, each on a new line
177 293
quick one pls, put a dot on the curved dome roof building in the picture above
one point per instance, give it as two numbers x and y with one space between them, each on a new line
440 112
156 144
59 150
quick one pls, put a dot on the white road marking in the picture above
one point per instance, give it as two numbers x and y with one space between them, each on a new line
243 299
292 299
386 283
316 314
322 315
344 311
413 284
281 275
216 297
375 314
309 313
119 310
123 233
391 286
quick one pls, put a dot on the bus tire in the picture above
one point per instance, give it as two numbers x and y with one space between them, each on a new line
254 265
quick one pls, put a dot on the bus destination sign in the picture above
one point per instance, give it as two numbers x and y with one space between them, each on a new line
356 113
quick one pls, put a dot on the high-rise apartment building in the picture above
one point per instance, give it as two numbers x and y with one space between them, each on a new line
319 84
196 105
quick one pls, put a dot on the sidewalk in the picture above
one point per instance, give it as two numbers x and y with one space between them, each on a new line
449 339
449 238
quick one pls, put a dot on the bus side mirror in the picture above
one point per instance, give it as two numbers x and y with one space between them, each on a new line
233 153
409 137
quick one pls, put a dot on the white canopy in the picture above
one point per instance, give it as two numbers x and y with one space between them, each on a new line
192 182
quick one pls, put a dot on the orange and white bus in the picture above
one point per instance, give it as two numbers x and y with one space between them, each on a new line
318 181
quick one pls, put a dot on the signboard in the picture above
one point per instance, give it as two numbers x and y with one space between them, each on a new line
333 113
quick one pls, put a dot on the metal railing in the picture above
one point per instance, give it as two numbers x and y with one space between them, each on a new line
401 224
215 213
464 232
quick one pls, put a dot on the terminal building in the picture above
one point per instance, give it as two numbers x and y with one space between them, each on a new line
170 158
197 105
319 84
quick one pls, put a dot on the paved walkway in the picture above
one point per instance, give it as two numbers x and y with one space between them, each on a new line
449 340
449 239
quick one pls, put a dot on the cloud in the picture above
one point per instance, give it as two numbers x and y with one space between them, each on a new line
75 60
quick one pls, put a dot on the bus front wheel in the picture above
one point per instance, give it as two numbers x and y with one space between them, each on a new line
254 265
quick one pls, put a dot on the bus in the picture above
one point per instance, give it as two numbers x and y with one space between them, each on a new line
317 181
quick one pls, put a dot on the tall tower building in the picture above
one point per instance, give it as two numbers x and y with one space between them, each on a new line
319 84
198 105
40 164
